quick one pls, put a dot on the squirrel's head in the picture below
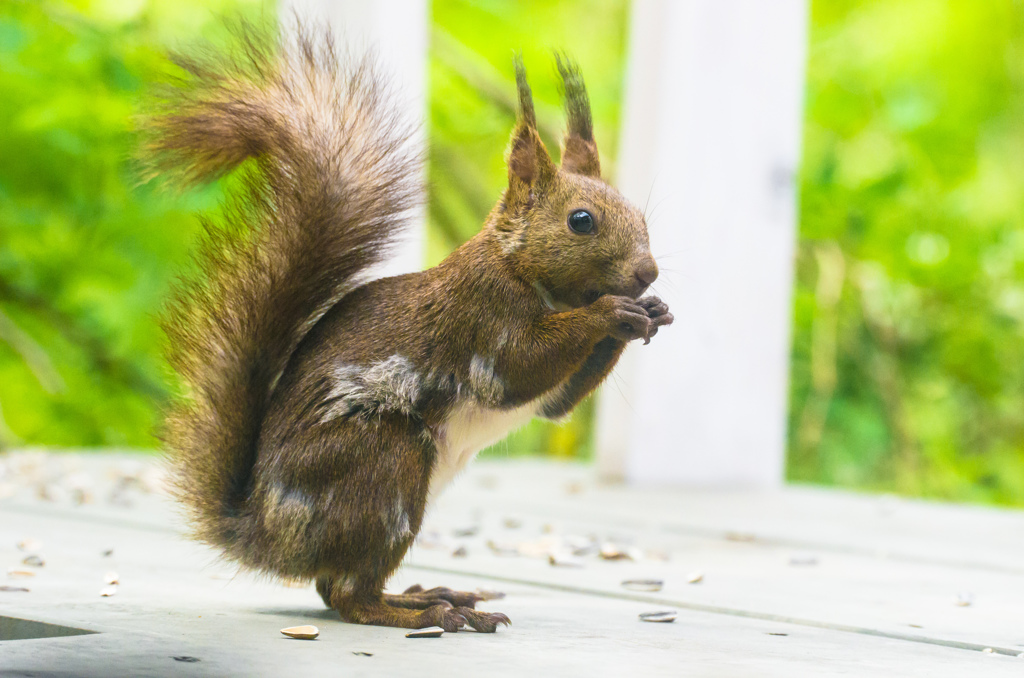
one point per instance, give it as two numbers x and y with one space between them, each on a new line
564 229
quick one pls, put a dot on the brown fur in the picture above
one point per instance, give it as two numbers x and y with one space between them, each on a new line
318 407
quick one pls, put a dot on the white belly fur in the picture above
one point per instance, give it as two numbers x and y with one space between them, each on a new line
471 427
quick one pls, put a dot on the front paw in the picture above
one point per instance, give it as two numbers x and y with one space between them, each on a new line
624 318
657 312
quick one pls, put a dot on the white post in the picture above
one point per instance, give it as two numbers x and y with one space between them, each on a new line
711 134
398 31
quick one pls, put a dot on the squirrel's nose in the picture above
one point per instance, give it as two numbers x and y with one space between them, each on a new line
647 272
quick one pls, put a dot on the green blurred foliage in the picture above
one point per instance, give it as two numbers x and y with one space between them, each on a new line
908 347
908 355
85 252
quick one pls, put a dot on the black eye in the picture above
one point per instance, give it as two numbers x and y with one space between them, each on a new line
581 221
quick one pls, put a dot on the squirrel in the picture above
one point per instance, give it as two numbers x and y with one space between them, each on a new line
322 413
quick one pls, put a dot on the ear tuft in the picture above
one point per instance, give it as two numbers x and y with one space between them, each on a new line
529 165
579 150
526 114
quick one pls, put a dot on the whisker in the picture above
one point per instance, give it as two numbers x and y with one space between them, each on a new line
647 202
676 292
655 210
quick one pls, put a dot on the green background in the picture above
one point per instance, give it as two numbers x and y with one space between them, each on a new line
908 326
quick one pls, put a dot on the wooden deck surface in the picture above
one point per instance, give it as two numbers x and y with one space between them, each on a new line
791 583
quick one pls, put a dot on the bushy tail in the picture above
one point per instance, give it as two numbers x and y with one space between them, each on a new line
331 175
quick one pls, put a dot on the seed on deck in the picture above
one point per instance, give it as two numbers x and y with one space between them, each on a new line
740 536
17 572
574 487
108 591
30 545
560 559
695 578
610 551
963 599
643 584
803 559
301 632
663 617
13 589
502 549
34 560
429 632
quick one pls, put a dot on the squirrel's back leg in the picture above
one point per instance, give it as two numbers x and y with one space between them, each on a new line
417 598
381 472
344 503
362 602
464 602
368 481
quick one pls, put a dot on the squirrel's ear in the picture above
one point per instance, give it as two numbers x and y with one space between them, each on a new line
529 164
579 150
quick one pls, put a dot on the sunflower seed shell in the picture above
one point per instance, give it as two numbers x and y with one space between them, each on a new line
301 632
643 584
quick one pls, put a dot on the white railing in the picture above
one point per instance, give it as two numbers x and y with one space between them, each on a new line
710 144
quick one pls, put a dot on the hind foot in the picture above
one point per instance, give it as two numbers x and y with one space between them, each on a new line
414 609
483 622
415 597
462 602
379 613
367 607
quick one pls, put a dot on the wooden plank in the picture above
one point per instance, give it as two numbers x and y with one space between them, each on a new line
848 562
829 520
175 600
849 612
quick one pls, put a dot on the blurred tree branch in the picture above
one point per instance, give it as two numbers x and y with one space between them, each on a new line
94 348
831 266
484 79
32 353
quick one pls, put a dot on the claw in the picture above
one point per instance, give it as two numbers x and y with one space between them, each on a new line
484 622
